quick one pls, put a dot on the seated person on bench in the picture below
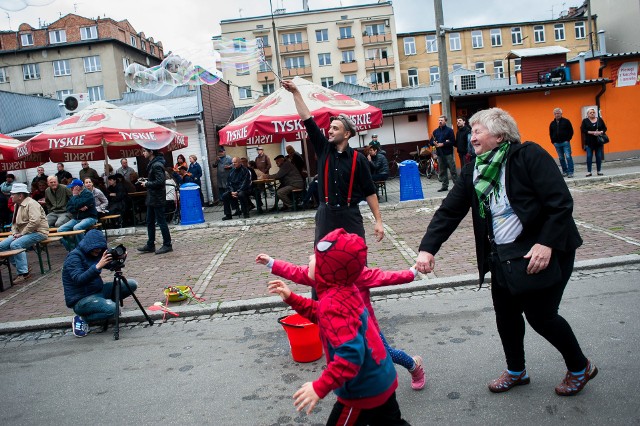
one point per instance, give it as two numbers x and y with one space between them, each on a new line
84 290
82 207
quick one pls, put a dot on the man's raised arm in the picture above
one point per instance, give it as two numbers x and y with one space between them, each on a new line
301 107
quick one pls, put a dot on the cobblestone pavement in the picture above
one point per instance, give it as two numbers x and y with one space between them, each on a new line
33 337
217 259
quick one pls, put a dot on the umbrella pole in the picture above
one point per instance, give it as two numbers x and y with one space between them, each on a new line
306 157
106 159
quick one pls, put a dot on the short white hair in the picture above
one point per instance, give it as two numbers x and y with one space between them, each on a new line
499 123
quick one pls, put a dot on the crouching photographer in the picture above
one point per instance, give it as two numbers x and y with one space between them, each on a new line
84 290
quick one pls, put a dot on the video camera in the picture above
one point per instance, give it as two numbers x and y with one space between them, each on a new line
118 257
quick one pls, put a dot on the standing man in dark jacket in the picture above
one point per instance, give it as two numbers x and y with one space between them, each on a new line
238 189
84 290
156 197
82 208
561 132
463 138
444 141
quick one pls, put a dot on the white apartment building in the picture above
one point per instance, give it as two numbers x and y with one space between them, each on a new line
355 44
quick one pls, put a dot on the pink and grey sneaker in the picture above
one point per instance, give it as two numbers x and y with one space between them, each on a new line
417 374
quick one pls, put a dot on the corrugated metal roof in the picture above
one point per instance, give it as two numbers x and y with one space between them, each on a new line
537 51
180 108
349 89
19 111
527 88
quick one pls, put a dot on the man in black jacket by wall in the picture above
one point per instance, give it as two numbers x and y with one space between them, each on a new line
561 132
156 197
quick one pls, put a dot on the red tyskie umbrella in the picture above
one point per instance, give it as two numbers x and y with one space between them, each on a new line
10 158
103 130
275 119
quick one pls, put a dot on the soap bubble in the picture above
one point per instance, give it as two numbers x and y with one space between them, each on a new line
159 115
16 5
162 79
240 55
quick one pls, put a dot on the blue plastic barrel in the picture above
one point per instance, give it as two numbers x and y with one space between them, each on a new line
410 185
190 206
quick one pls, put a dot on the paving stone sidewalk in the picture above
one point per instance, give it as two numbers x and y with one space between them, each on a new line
217 258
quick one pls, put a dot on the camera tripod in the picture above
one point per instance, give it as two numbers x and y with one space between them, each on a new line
119 278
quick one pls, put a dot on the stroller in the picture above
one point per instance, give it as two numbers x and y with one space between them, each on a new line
172 204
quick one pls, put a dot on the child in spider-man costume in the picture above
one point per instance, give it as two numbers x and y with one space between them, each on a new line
368 279
359 369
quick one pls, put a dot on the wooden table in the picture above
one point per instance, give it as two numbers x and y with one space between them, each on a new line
68 234
262 185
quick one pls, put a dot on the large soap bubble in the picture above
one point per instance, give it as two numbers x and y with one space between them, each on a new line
162 79
240 55
16 5
158 114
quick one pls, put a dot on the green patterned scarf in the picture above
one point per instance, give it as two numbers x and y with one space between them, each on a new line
489 165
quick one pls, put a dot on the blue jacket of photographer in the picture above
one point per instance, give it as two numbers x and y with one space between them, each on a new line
80 277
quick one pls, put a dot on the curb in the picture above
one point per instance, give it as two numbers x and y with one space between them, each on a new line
257 304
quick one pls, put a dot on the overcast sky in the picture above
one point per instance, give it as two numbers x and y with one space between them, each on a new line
185 27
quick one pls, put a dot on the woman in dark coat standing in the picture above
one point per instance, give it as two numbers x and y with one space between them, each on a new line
519 201
592 127
156 197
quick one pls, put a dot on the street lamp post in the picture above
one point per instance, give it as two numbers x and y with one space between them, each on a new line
275 39
442 59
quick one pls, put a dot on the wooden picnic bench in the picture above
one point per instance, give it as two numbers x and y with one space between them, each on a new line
5 260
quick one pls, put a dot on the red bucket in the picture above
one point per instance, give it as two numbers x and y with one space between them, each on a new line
304 338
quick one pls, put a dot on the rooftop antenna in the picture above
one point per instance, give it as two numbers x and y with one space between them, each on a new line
240 12
8 19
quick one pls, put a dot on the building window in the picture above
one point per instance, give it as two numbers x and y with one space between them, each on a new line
264 40
498 69
345 32
152 49
538 33
326 81
457 66
434 74
92 64
324 59
239 44
125 63
96 93
375 29
294 62
244 92
496 37
89 33
26 39
133 41
409 46
432 43
413 77
265 66
580 31
380 77
268 89
242 68
31 71
4 78
322 35
517 64
351 79
61 68
454 42
143 45
476 39
558 30
291 38
516 35
480 67
57 36
61 94
348 56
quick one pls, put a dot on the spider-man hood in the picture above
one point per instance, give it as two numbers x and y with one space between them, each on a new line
340 259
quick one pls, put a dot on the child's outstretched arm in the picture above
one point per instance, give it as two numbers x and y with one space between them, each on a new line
263 259
306 396
280 288
286 270
302 305
376 277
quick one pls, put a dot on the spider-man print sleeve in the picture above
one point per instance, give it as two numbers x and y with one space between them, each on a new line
306 307
376 277
289 271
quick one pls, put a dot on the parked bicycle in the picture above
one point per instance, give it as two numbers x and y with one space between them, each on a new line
393 164
427 160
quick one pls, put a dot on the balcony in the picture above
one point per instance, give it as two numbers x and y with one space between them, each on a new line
379 63
293 48
378 38
348 67
346 43
265 76
383 86
268 51
300 72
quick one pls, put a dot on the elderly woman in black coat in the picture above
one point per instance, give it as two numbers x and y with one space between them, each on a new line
525 236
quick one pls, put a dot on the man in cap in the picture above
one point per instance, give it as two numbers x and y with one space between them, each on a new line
344 176
82 208
29 226
223 165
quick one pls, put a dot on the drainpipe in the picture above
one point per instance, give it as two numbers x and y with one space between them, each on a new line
602 43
